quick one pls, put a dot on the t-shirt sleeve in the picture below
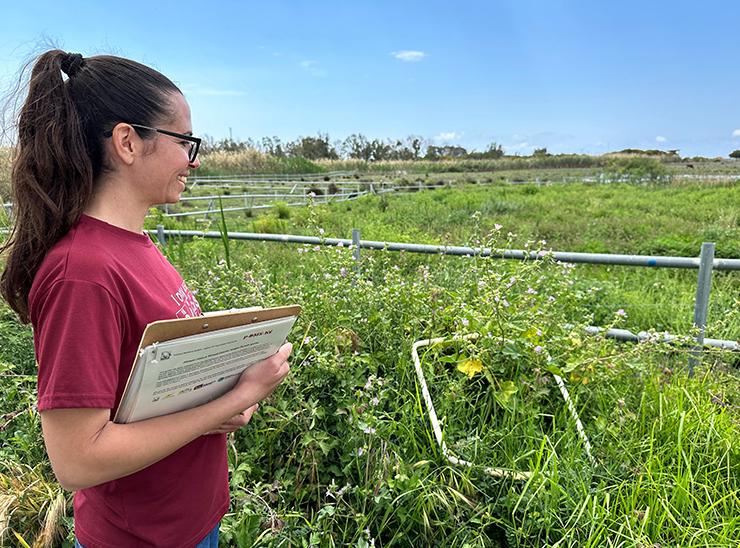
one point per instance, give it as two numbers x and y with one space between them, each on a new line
78 346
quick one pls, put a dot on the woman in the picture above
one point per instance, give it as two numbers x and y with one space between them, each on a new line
95 150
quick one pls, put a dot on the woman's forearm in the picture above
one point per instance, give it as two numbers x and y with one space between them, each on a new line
87 449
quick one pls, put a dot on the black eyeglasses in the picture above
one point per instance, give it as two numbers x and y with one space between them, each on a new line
194 142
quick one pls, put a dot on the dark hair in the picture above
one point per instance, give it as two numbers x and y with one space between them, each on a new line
60 154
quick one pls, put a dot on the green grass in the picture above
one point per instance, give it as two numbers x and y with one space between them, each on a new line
343 453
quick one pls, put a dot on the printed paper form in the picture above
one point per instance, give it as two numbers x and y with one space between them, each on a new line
191 371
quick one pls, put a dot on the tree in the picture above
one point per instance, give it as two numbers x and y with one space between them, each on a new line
313 148
357 146
735 154
493 152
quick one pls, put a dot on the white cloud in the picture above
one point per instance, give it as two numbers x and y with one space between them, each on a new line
518 147
736 133
660 139
312 67
409 56
447 136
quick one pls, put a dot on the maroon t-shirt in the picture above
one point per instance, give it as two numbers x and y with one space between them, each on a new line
94 294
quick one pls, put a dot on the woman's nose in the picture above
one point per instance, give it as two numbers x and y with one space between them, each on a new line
195 164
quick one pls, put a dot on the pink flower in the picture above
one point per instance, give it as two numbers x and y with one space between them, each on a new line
621 313
498 227
538 349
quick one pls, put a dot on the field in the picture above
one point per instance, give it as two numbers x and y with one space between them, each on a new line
343 453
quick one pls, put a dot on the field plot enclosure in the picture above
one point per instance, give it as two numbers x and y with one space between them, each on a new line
345 452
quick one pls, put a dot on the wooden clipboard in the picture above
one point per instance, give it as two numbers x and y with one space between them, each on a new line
166 330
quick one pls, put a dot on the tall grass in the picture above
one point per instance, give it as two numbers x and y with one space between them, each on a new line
5 164
343 453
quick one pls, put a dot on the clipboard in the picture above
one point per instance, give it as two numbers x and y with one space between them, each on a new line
188 329
166 330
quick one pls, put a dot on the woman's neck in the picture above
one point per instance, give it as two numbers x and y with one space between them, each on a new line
114 205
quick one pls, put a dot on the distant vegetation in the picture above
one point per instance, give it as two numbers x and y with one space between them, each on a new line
414 154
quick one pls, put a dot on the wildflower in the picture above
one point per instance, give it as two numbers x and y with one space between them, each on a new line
343 272
369 430
537 349
465 322
531 291
470 367
505 303
307 340
539 332
498 227
317 248
340 244
375 401
621 313
360 451
312 194
481 284
321 231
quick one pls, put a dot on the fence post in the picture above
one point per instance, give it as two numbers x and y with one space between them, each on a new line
703 288
160 235
356 243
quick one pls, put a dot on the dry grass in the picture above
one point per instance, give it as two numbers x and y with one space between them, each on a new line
5 154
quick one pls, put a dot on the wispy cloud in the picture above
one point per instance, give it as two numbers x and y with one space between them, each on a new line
736 133
660 139
197 89
409 56
312 67
518 147
447 136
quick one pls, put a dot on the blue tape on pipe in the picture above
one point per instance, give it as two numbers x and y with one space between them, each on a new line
652 262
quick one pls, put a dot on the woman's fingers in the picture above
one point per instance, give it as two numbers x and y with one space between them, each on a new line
236 422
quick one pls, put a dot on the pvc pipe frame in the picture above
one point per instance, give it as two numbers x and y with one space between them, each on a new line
437 429
518 254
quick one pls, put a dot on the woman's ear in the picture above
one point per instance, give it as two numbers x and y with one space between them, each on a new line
125 144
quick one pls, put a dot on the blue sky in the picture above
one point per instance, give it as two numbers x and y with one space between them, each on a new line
572 76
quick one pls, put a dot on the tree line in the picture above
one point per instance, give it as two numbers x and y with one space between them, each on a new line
355 147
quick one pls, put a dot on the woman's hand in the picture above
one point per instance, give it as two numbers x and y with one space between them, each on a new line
236 422
86 448
258 381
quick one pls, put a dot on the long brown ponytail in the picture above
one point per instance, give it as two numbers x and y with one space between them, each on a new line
59 156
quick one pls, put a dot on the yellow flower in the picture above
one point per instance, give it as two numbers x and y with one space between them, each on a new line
470 367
